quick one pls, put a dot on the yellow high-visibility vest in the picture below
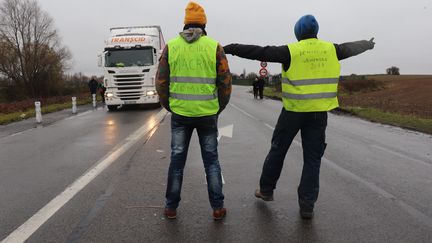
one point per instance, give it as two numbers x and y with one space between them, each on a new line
310 84
193 73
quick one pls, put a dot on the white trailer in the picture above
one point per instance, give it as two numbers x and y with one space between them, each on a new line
130 60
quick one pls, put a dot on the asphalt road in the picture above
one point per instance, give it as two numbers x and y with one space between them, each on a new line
376 183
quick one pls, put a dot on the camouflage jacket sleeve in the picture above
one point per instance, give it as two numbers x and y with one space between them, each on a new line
162 79
223 79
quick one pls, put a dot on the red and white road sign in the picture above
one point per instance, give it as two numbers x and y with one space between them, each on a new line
263 72
263 64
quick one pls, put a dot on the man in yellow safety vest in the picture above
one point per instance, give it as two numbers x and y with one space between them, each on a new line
310 75
194 84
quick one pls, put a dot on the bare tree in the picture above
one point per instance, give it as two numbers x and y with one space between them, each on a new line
31 56
251 75
393 70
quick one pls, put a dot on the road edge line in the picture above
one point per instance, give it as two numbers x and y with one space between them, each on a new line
415 213
23 232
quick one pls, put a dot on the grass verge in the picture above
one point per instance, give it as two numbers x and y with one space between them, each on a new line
375 115
405 121
22 115
272 94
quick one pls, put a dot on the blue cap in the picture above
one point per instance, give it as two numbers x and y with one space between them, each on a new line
306 27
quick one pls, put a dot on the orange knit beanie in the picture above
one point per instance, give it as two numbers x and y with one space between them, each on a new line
195 14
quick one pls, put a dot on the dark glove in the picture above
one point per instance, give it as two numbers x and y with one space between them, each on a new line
371 43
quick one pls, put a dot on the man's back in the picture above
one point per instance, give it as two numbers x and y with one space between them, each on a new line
194 83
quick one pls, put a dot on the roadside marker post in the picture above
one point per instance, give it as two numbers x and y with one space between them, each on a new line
38 112
94 100
74 108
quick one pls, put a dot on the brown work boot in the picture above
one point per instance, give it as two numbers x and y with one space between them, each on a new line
219 213
170 213
258 194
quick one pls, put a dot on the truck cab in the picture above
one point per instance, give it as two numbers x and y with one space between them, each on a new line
130 61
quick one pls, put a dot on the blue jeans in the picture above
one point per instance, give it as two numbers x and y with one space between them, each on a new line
312 126
181 132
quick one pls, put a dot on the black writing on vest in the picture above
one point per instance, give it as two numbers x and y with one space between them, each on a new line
192 64
315 59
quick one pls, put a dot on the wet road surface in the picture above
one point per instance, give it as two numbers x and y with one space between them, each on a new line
376 183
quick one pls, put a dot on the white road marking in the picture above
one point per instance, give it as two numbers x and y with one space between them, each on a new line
18 133
417 214
272 128
32 224
223 179
407 208
269 126
402 155
226 131
78 115
244 112
84 113
39 126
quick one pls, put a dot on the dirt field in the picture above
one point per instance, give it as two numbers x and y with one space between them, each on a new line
404 94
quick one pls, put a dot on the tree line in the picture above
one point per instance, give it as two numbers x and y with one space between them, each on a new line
32 58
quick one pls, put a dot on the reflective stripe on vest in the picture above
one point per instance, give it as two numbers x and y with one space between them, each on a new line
310 83
309 96
193 97
192 80
193 73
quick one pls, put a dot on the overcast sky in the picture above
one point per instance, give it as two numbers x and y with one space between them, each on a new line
402 28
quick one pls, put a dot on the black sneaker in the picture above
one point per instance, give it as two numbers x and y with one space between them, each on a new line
258 194
306 209
306 213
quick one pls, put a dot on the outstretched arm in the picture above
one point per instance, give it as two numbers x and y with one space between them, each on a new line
278 54
350 49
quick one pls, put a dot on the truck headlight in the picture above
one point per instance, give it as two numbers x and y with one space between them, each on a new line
151 92
109 94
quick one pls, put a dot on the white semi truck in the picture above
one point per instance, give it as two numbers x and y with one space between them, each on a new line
130 61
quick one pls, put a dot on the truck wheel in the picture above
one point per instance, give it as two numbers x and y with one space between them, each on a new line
112 107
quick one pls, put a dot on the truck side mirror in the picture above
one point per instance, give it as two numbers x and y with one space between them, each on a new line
99 61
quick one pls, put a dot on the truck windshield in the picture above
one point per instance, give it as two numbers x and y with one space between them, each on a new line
129 57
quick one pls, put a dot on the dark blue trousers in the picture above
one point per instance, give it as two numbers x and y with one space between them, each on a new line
312 126
181 132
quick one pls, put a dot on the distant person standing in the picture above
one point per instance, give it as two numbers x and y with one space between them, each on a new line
260 85
310 75
93 86
102 90
255 88
195 94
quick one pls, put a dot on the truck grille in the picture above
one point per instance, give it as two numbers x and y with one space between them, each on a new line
130 95
128 81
